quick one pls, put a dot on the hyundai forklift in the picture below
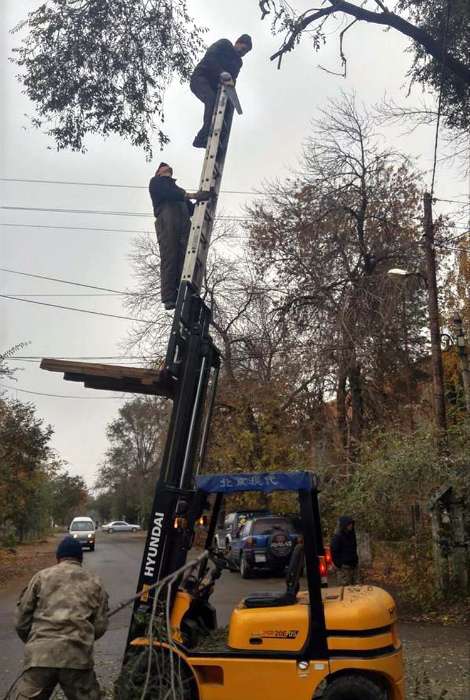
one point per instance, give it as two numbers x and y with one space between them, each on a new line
333 643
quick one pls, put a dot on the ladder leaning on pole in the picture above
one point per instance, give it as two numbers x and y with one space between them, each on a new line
211 178
202 223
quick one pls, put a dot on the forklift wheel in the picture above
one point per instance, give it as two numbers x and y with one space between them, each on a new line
353 688
132 680
245 569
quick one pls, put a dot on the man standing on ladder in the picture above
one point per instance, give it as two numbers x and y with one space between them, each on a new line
221 57
173 209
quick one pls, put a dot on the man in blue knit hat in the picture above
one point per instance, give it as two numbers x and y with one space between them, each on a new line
59 615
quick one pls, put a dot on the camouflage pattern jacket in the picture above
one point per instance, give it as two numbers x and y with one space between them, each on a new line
60 614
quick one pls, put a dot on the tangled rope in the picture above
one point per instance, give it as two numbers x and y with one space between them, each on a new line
158 671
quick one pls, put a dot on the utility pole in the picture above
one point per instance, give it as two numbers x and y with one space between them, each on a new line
433 312
463 357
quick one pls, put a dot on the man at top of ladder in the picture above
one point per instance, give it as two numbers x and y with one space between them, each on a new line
221 57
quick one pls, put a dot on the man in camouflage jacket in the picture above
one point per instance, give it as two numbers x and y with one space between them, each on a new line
59 615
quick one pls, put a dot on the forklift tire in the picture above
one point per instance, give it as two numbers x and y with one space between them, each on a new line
353 688
132 679
245 569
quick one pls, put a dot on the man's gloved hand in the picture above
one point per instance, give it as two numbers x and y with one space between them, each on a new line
204 196
226 79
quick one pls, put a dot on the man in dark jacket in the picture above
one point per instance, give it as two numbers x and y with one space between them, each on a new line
344 552
173 209
221 57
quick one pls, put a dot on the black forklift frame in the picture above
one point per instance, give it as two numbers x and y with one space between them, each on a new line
195 361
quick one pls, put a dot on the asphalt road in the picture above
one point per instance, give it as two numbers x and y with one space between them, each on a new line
443 651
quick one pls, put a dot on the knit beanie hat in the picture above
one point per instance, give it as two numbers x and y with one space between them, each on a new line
163 165
246 40
69 548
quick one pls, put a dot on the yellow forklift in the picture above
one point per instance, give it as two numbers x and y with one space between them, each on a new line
330 643
333 643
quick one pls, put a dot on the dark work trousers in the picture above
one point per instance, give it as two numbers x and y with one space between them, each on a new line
39 683
172 226
201 87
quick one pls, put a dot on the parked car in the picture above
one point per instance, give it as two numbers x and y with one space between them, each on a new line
231 525
120 526
263 543
83 529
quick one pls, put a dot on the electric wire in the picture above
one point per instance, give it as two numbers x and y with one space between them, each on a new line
94 296
78 357
74 308
113 185
75 228
62 281
63 396
100 212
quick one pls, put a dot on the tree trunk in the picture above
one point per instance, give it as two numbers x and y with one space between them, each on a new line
357 411
341 408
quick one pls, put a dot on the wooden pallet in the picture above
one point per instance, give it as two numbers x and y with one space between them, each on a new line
115 377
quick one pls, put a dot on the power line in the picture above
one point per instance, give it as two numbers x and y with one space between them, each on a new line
111 294
452 201
90 228
79 357
94 228
117 363
76 228
74 308
111 185
100 212
63 396
62 281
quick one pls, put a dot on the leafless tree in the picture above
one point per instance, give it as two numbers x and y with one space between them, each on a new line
328 237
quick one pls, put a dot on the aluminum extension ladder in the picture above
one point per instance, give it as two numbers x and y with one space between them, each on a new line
211 178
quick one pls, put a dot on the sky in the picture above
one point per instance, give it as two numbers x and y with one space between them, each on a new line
266 143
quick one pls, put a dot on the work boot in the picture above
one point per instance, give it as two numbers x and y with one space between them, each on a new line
200 141
170 305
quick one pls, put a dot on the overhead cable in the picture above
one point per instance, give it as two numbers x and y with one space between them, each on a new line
74 308
62 396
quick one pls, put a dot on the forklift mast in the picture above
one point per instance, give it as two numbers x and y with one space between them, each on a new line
192 362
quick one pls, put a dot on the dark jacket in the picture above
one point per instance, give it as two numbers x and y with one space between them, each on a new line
163 190
344 545
219 57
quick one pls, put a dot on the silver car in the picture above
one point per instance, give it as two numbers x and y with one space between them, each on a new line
120 526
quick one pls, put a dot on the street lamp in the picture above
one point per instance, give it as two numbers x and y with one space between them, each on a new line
400 272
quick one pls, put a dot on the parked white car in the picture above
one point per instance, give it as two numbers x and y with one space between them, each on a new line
120 526
83 529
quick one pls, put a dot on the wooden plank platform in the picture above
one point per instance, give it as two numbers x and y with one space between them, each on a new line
114 377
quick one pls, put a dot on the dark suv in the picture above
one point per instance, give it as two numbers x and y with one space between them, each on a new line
265 543
231 525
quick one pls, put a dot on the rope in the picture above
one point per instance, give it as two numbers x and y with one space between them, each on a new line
187 567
